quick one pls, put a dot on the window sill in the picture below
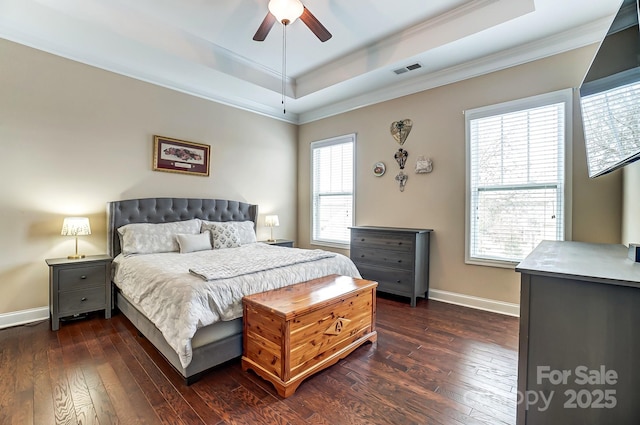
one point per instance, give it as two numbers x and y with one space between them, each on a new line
334 245
491 263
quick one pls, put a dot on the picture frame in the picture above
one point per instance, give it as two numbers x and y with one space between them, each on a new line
180 156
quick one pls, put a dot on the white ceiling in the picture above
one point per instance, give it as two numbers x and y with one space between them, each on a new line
205 47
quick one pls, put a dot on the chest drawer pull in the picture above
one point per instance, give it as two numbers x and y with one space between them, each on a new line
83 277
83 299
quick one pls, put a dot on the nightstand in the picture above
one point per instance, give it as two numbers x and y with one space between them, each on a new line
280 242
79 286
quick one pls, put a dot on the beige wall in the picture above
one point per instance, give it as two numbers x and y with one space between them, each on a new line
74 137
437 200
631 204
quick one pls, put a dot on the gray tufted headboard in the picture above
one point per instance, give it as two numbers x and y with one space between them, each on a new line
165 210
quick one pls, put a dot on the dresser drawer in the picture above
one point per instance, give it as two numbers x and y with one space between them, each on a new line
82 300
81 277
394 241
397 281
383 257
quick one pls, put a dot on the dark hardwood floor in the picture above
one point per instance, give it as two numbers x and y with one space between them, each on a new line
433 364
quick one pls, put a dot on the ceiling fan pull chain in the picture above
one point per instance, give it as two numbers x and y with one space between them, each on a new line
284 65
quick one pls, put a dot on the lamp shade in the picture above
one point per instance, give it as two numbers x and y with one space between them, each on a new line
75 226
271 221
286 11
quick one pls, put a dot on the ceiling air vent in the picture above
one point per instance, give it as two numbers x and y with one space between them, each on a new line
407 68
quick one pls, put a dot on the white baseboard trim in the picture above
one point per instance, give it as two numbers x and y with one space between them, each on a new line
486 304
16 318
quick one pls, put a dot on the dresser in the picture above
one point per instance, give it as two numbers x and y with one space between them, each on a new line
396 258
79 286
579 344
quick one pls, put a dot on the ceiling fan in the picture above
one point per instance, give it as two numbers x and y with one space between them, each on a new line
287 11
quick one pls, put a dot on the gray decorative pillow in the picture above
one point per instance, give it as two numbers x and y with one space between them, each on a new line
150 238
193 243
224 235
246 233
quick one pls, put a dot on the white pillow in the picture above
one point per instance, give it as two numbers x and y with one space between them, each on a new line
150 238
246 232
223 235
193 243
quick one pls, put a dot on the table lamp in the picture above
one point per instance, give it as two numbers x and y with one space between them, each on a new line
271 221
76 226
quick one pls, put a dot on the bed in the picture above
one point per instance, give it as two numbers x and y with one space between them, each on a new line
202 330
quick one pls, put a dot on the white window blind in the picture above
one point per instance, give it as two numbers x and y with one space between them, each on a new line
332 190
515 178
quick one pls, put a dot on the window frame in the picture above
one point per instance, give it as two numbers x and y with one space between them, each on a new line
567 97
337 140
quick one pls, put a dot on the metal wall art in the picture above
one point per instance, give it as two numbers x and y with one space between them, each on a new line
400 131
401 157
401 178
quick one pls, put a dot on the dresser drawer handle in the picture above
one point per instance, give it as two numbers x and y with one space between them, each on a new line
399 243
398 281
362 240
399 261
361 255
83 277
83 299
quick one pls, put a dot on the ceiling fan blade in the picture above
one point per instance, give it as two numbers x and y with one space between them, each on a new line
265 27
314 25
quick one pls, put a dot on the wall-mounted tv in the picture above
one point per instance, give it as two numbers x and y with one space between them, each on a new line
610 96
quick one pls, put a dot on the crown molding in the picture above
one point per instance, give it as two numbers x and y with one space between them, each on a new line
560 43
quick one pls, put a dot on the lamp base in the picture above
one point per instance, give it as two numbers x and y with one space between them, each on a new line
75 256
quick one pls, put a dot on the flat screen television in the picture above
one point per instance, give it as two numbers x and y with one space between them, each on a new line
610 96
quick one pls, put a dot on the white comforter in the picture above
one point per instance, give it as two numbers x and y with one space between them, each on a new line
179 303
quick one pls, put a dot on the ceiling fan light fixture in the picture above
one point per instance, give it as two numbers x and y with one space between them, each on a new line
286 11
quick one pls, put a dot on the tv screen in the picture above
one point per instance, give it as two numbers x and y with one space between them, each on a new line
610 96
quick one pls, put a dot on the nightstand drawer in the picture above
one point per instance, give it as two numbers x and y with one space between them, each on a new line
81 277
383 257
82 300
399 242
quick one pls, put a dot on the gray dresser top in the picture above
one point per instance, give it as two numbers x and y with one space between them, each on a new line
602 263
393 229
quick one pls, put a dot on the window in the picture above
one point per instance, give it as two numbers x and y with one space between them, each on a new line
332 190
517 177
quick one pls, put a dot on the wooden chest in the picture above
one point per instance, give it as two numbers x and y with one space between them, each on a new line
292 332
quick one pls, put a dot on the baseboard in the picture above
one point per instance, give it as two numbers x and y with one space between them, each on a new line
16 318
486 304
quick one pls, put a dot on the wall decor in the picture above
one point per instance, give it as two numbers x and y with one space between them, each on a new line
424 165
379 168
401 157
401 178
179 156
400 130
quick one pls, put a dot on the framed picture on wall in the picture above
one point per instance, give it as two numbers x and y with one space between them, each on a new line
179 156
